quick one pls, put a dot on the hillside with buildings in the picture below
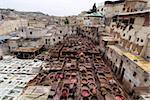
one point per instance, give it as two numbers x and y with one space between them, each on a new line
100 54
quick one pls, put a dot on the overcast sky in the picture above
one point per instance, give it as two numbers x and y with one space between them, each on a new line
51 7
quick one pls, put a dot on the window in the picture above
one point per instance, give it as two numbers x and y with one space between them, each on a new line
116 60
134 74
54 40
142 40
114 19
124 9
148 57
125 21
130 27
120 20
145 80
137 39
121 27
60 31
46 41
134 85
130 81
2 17
31 33
124 35
22 30
129 37
118 25
132 20
125 27
58 37
128 9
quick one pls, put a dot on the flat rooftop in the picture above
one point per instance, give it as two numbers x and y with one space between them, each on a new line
18 66
12 85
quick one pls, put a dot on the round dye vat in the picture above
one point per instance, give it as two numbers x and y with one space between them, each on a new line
91 85
85 93
65 92
90 80
84 81
83 75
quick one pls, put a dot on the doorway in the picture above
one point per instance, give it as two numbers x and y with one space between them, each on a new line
122 74
120 67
